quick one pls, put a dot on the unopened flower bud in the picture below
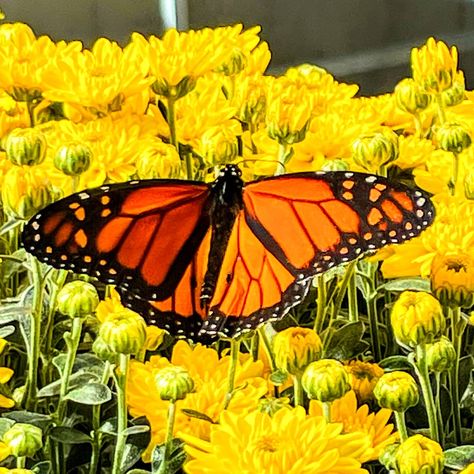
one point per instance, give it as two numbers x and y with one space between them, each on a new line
77 299
325 380
124 332
73 159
158 160
441 355
272 405
453 137
173 383
173 91
25 146
295 348
456 93
373 151
419 454
396 391
25 191
335 165
102 350
410 97
417 318
23 439
452 279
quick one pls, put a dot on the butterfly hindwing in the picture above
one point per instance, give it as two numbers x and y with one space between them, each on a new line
313 221
139 235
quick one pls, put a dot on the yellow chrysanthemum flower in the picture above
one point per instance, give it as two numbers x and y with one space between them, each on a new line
414 152
26 59
289 442
434 65
451 233
210 376
13 115
363 377
5 402
100 79
359 420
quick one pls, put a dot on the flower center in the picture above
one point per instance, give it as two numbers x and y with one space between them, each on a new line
456 266
269 443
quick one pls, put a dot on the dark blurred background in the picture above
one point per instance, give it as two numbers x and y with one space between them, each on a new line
362 41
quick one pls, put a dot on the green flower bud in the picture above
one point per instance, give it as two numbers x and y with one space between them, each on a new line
417 318
456 94
295 348
102 350
371 152
73 159
419 455
23 439
25 191
124 332
326 380
174 91
271 405
284 135
173 383
335 165
410 97
453 137
25 146
77 299
396 391
441 355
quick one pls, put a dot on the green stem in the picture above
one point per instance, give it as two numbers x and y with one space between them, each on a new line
253 129
30 106
96 434
320 304
21 462
72 343
349 273
282 154
171 118
327 411
454 178
440 109
189 165
401 425
352 295
371 300
438 407
421 369
120 385
234 357
418 126
298 390
164 468
35 335
457 328
267 347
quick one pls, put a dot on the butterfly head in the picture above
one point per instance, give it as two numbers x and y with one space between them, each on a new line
228 186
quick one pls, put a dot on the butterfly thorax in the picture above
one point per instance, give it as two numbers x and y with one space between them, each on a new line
226 203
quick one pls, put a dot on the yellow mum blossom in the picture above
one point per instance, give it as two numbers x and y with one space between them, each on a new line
5 165
13 114
434 65
5 402
100 79
181 57
210 376
451 233
359 420
414 152
363 377
289 442
469 469
25 60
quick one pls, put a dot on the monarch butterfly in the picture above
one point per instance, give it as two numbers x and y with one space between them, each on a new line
203 259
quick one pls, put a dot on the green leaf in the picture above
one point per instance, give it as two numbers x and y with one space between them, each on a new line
10 225
109 426
278 377
403 284
131 455
175 461
137 429
5 425
78 379
346 342
197 414
395 363
67 435
93 393
43 467
467 399
138 471
82 361
458 458
22 416
6 331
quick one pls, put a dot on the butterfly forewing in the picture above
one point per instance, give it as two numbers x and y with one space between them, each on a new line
140 236
324 219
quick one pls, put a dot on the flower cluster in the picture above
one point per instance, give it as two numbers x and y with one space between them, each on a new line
310 397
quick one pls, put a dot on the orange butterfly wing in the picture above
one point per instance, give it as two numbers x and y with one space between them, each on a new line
138 235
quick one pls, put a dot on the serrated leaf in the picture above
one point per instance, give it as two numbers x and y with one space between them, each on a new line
67 435
404 284
197 414
76 380
93 393
459 457
395 363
